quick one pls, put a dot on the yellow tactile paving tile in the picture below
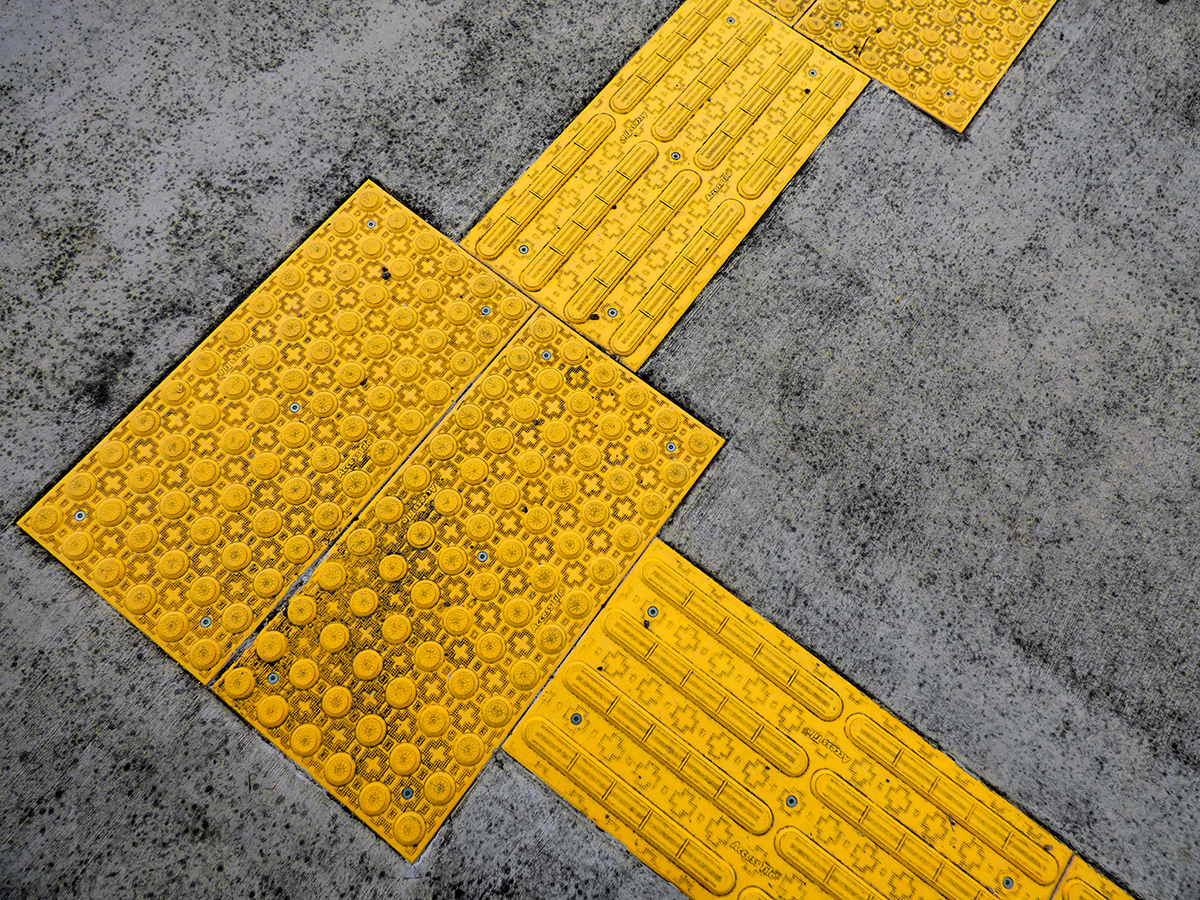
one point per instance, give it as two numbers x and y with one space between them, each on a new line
735 764
425 633
199 509
628 214
945 56
1082 882
788 11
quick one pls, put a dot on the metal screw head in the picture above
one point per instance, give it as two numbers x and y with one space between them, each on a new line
671 447
205 622
487 311
294 407
576 718
407 793
482 557
272 678
80 515
370 223
652 612
1007 882
791 800
545 354
524 248
612 313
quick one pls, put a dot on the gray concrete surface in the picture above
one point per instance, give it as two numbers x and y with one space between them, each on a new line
957 375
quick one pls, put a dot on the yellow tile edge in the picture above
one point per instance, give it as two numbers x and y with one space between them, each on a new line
435 620
1082 882
787 11
730 760
200 508
947 66
623 220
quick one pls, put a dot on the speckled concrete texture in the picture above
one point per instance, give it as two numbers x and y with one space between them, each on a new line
957 374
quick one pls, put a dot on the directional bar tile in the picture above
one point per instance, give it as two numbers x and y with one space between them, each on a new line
440 613
734 763
630 212
945 56
1082 882
198 510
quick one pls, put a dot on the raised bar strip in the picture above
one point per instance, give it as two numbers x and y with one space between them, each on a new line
838 795
872 738
780 151
624 801
711 77
945 56
1082 882
678 277
723 706
814 862
685 28
198 510
635 243
756 99
588 215
704 99
434 620
821 699
674 687
563 166
740 804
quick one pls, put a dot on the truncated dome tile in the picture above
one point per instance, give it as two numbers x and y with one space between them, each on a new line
438 615
1082 882
787 10
734 763
205 502
945 56
627 215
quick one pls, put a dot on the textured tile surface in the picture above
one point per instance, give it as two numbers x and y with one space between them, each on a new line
624 219
728 758
945 56
957 378
443 610
1082 882
198 510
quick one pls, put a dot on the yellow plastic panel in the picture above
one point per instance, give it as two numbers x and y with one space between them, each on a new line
199 509
945 56
734 763
1082 882
787 10
435 619
630 212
